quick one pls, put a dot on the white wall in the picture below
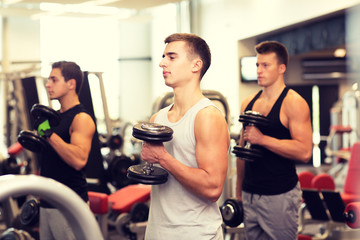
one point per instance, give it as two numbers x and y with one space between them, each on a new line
22 41
135 75
223 22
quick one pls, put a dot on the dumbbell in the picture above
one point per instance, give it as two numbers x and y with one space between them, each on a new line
15 234
248 152
147 173
31 139
232 212
29 215
117 170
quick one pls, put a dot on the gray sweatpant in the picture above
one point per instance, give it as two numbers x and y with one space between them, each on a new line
53 225
273 217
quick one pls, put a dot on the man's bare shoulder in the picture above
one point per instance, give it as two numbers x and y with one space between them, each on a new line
295 103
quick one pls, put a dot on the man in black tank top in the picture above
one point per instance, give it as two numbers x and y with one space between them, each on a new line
269 186
69 146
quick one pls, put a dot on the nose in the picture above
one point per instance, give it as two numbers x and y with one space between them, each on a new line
162 63
47 84
258 69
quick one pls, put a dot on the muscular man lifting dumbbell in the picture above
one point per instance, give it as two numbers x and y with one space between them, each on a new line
196 157
68 145
268 186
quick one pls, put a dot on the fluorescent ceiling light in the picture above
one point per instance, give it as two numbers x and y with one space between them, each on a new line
79 8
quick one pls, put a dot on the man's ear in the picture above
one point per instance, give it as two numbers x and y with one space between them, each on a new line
282 68
72 83
197 65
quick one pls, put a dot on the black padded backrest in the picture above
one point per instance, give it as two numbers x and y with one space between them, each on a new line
335 204
30 95
94 168
315 205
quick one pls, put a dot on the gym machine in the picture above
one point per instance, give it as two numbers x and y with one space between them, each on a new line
344 132
75 210
123 213
21 93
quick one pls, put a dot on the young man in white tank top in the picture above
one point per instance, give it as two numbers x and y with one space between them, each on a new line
196 158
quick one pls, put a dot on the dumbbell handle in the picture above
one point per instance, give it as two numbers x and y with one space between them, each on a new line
148 168
248 144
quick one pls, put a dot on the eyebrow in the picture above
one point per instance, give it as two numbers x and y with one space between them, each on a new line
169 54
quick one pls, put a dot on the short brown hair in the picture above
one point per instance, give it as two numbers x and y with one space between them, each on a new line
274 47
197 46
70 70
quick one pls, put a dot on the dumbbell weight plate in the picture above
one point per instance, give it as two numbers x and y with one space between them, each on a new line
30 213
152 132
38 110
249 154
31 141
117 171
15 234
115 142
157 176
232 212
254 118
139 212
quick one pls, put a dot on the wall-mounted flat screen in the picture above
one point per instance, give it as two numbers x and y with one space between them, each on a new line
248 69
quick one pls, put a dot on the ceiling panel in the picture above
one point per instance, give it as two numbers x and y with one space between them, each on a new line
10 2
139 4
31 7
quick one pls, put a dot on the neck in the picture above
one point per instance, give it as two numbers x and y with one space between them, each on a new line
272 91
185 98
69 102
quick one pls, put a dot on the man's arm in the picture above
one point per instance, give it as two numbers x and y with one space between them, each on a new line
295 115
76 152
212 147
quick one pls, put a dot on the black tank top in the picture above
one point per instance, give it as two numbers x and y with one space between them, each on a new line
52 166
273 174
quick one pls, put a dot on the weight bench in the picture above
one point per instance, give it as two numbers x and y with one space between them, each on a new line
121 208
325 206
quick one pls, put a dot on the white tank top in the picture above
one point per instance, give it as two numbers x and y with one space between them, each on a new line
175 212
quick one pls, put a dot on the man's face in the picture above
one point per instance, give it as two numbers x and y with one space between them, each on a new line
176 64
56 85
268 69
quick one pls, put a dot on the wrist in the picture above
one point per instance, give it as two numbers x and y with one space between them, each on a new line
47 133
161 157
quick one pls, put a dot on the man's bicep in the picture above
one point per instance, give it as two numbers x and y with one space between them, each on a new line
83 129
212 139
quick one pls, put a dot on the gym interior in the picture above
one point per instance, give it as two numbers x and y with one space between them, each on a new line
119 45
